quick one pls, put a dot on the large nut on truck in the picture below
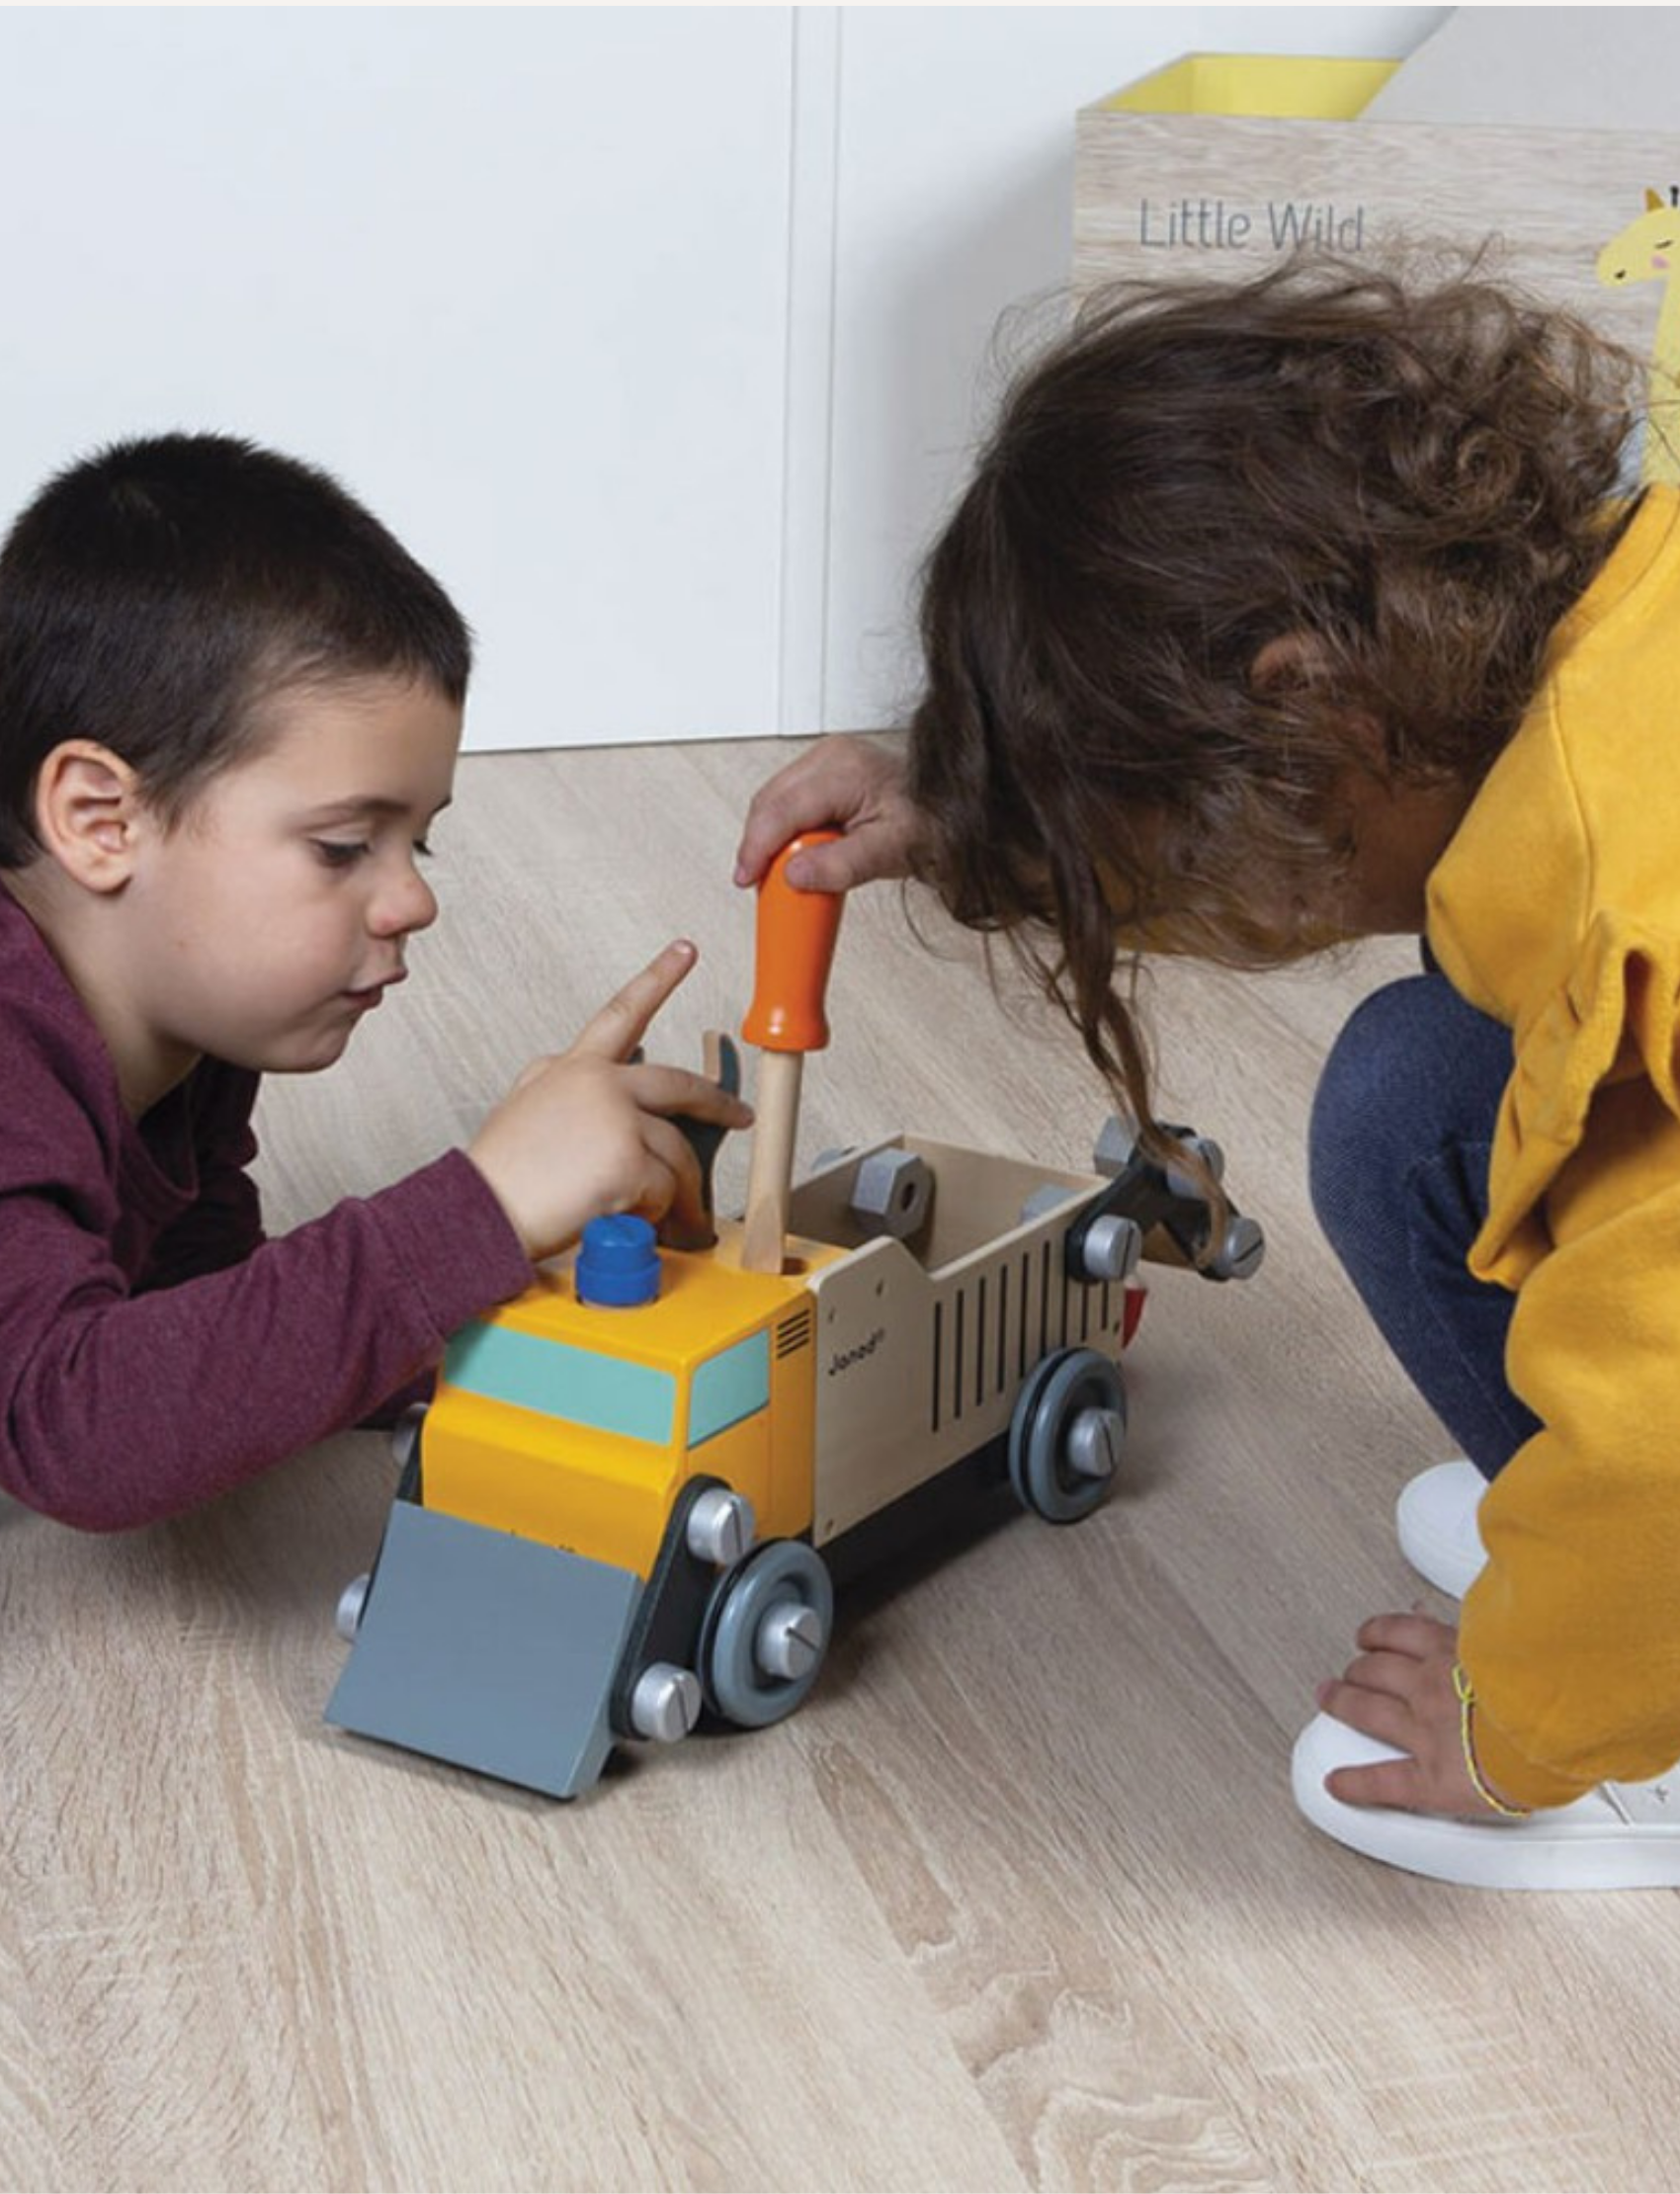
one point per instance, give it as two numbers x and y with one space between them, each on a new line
892 1194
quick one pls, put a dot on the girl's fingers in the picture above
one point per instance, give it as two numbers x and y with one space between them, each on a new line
1375 1714
1396 1783
1395 1676
820 790
1418 1637
844 863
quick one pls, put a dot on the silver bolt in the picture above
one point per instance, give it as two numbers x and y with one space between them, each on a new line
665 1703
1241 1253
790 1641
405 1432
721 1526
1180 1179
347 1619
1112 1246
1093 1441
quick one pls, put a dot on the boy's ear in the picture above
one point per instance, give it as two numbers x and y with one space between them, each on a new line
89 814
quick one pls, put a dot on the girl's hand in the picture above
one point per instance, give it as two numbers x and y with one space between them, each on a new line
845 784
1399 1690
587 1132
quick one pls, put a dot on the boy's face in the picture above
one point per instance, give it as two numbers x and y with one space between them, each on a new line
275 914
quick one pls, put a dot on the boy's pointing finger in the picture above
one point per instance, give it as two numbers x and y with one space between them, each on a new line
623 1022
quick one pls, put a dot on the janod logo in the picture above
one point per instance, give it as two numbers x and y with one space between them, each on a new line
843 1359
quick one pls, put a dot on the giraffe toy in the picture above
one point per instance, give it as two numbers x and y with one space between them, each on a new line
1648 250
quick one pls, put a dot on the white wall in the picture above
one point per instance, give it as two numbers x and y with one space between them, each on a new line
656 333
519 276
954 204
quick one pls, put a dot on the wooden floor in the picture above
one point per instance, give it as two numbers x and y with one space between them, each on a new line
1018 1900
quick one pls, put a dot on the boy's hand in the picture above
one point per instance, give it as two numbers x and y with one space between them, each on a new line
588 1134
1400 1691
842 784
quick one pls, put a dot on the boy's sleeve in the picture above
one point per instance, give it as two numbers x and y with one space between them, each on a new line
116 1409
225 1223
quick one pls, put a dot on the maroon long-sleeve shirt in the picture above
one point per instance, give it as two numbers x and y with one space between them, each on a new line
155 1348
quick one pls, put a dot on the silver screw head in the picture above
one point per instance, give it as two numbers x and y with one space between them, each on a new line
347 1618
790 1641
1112 1248
665 1703
1181 1180
1242 1250
721 1526
1093 1441
405 1433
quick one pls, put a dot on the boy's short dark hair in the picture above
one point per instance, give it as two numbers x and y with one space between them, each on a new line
153 595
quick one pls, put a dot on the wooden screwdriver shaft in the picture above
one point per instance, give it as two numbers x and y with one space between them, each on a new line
770 1176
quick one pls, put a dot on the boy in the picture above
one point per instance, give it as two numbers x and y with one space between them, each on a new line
230 704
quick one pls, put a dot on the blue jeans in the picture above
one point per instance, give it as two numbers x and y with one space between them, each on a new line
1402 1126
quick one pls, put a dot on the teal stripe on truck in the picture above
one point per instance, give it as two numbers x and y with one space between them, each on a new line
567 1384
729 1388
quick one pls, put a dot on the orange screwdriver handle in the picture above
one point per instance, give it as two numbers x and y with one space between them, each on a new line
794 951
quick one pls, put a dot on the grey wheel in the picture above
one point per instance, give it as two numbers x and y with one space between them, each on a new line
1066 1434
765 1633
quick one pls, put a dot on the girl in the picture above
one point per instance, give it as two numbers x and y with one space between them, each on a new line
1304 609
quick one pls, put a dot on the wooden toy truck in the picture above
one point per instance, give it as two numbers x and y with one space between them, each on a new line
624 1503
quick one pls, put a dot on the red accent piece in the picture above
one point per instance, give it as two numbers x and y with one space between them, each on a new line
1132 1315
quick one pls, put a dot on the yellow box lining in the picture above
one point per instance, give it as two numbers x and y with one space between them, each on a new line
1277 87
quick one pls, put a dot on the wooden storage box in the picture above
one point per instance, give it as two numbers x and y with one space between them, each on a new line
1221 164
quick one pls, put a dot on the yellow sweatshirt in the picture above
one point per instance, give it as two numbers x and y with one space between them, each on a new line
1557 910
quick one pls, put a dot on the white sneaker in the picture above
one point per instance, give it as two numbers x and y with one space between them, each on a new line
1620 1836
1435 1517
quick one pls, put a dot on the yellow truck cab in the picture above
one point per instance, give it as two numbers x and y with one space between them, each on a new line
578 1421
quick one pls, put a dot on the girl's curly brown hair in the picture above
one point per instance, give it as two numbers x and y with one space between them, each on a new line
1417 482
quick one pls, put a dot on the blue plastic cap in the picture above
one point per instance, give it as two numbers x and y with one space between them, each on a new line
618 1263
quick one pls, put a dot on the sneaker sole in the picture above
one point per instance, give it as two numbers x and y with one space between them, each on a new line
1582 1846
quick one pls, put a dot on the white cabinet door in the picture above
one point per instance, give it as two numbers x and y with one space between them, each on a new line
519 277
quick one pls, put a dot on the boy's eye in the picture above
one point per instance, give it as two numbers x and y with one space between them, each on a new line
340 853
423 849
